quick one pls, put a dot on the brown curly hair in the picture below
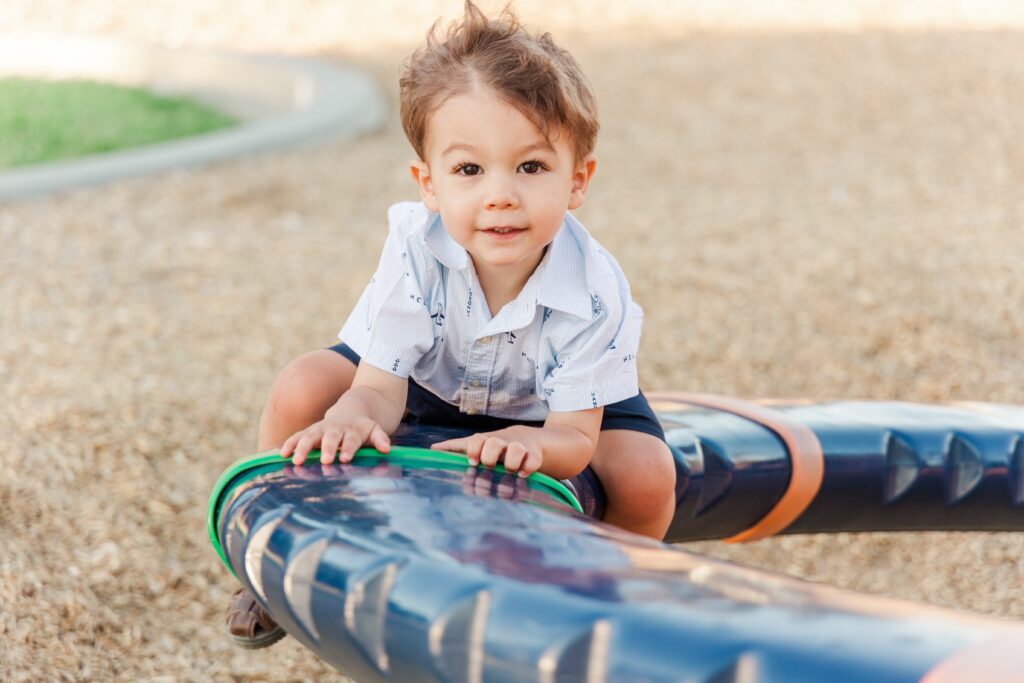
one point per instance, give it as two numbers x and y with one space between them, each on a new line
529 71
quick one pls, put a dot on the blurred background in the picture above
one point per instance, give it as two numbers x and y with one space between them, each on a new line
810 200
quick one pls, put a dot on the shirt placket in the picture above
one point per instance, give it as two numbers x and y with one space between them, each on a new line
481 354
476 388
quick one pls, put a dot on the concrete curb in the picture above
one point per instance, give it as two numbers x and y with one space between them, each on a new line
282 101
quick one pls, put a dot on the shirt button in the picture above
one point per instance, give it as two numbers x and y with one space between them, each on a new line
472 411
484 340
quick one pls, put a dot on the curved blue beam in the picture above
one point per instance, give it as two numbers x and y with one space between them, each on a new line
391 572
889 466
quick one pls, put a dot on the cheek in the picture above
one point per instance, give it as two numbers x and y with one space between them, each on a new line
556 201
458 217
460 210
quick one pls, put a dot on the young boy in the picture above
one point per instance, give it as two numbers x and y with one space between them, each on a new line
492 308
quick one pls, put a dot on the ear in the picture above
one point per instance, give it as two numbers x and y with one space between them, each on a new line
581 180
421 175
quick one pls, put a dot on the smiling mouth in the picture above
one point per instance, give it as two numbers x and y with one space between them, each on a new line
503 230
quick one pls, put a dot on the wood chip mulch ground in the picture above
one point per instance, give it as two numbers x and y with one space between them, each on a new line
801 213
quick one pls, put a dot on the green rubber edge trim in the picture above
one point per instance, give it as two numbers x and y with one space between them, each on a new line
419 457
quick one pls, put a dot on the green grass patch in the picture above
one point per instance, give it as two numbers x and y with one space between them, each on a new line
48 120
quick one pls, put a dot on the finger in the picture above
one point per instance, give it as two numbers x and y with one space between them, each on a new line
454 445
307 441
327 457
350 444
515 452
289 444
492 451
531 463
379 439
329 444
474 448
471 446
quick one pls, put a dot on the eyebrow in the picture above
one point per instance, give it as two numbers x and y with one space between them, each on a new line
533 146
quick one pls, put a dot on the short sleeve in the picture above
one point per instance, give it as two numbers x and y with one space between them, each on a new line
390 326
595 364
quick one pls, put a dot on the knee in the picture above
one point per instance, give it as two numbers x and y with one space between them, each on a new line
642 473
653 473
305 389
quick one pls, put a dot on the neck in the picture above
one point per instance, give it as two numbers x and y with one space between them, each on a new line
502 284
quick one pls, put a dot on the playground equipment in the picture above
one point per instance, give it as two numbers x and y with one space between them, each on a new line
416 567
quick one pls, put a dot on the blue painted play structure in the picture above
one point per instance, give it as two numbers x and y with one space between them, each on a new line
416 567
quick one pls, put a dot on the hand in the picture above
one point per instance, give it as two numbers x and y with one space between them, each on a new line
514 447
334 432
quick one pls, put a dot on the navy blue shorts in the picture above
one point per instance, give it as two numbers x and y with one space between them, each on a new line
633 414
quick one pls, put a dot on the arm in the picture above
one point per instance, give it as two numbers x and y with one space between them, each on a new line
370 410
560 449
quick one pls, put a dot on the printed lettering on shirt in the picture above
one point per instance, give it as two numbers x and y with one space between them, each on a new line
510 337
548 391
593 399
547 314
417 299
628 357
438 315
394 367
469 303
595 301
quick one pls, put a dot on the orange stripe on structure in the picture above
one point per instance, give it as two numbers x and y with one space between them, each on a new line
807 461
998 660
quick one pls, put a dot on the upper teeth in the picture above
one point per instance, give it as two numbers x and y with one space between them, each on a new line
503 229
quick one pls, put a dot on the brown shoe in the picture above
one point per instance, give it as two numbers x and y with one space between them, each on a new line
249 624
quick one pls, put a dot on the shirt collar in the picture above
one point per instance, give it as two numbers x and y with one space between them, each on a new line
560 279
440 244
563 284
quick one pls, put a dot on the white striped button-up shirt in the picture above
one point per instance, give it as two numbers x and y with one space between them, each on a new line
567 342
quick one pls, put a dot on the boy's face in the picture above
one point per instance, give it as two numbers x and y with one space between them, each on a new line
501 188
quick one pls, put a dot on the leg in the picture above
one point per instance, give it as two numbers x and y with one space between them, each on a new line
302 393
639 479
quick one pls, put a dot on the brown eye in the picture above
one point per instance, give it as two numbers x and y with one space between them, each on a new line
531 167
468 169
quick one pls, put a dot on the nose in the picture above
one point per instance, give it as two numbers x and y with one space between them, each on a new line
501 193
